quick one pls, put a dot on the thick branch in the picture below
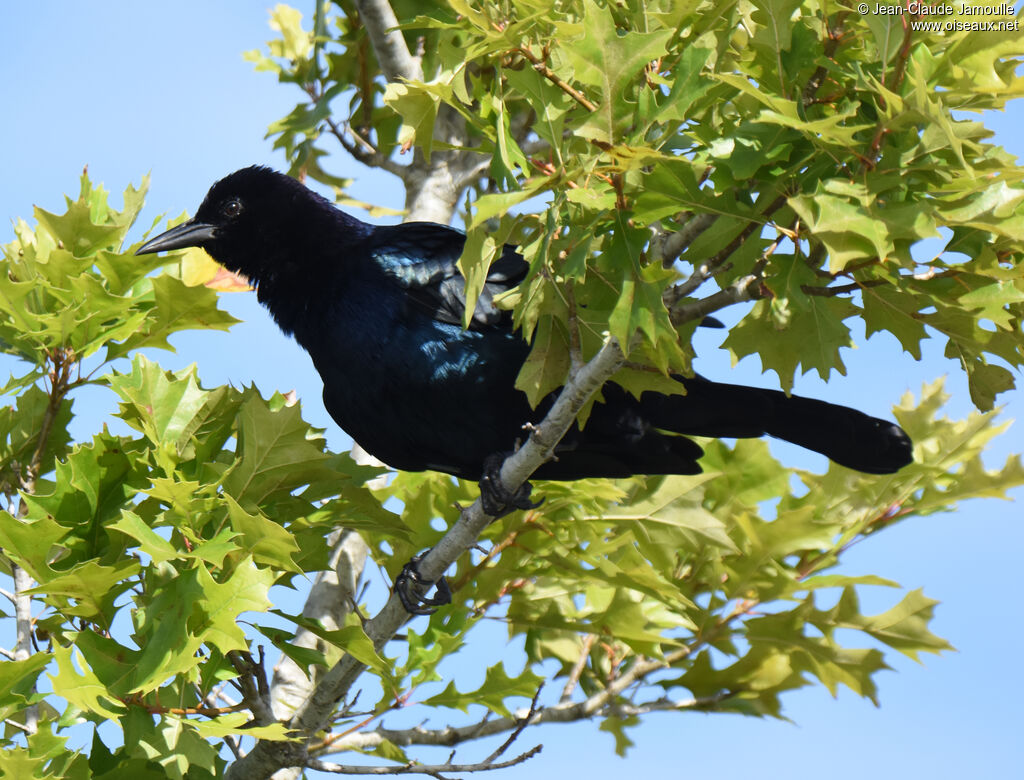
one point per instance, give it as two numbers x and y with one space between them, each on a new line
747 288
23 622
394 56
252 683
671 245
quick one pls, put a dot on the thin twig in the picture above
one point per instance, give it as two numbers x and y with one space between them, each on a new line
578 667
541 67
833 36
435 770
841 289
210 702
717 263
603 702
523 723
702 703
575 348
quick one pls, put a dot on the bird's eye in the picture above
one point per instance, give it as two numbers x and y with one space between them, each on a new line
232 208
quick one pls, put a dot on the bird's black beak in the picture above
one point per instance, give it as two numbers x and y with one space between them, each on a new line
186 234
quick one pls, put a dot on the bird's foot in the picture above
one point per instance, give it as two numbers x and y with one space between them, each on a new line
411 589
498 501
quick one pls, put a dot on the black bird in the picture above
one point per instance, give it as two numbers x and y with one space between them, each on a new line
380 311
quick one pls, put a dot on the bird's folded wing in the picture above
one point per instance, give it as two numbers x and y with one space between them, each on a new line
422 257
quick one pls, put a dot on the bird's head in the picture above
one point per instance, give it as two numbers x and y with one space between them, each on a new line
251 222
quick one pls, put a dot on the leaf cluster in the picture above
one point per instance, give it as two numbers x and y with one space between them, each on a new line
143 547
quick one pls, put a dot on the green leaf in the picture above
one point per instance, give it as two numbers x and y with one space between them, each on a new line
479 251
81 689
239 724
305 658
89 589
76 231
820 656
168 407
417 104
497 687
20 429
267 542
245 590
169 646
609 60
18 679
904 627
277 452
175 306
149 542
31 542
617 727
897 312
675 501
90 489
806 331
352 639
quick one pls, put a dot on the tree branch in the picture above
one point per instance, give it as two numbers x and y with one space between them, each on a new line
541 67
843 288
252 682
23 622
62 361
365 152
747 288
670 245
420 769
578 667
834 34
560 713
396 61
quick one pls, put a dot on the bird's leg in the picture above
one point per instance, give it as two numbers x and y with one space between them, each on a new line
410 588
496 500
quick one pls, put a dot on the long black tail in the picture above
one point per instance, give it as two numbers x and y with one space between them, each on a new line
844 435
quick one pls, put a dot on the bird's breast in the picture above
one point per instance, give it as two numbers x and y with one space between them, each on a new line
417 393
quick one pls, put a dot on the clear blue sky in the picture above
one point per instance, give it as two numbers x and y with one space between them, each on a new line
130 88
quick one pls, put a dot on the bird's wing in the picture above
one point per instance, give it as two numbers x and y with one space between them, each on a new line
421 258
